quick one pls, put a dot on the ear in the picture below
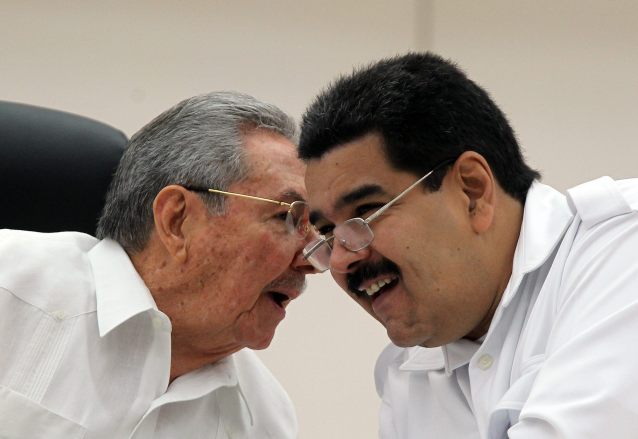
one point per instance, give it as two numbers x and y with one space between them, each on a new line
477 183
173 208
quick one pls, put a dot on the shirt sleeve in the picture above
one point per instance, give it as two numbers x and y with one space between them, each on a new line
587 386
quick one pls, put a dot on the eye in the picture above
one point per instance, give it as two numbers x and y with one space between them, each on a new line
281 215
367 209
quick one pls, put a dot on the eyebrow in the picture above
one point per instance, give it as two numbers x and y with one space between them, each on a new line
290 196
349 198
357 194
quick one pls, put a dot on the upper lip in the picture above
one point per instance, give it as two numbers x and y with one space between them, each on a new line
289 284
292 294
289 294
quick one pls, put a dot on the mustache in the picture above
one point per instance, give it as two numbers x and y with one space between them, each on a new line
368 271
290 280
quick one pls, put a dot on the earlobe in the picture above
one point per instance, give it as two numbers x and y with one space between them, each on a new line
170 210
477 182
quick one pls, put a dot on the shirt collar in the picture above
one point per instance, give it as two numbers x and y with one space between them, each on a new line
119 290
420 358
448 357
546 216
459 353
204 381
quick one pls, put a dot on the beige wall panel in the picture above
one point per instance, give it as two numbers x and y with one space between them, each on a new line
564 71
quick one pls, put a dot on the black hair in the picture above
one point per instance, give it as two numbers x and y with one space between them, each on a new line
426 110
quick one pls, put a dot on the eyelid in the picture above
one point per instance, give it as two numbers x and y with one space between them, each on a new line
367 208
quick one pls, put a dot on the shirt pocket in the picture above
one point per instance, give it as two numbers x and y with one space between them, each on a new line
22 418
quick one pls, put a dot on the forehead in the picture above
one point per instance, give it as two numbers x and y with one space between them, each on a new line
274 170
351 167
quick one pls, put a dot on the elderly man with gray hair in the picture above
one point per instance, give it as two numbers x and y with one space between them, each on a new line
143 332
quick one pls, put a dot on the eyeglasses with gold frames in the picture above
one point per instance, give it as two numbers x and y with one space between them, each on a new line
297 217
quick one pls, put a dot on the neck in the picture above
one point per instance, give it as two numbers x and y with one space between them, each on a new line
508 225
194 343
184 359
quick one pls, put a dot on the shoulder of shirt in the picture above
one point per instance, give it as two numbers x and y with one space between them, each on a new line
50 271
603 242
602 199
607 211
629 189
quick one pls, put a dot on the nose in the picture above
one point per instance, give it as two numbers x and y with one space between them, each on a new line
344 261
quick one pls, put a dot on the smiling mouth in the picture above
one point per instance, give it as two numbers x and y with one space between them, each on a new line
380 286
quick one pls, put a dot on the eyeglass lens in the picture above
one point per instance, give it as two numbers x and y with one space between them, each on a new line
297 219
320 256
354 234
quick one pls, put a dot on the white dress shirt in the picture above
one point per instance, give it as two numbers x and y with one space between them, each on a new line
85 353
560 358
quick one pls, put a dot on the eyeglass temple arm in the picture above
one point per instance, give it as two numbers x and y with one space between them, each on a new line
280 203
394 200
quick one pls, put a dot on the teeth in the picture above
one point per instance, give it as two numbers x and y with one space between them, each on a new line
376 286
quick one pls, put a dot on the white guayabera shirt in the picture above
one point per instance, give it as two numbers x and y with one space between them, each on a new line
560 358
85 353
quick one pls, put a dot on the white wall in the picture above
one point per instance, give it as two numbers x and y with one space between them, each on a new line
564 71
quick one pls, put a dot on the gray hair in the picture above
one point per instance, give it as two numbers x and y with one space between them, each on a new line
199 143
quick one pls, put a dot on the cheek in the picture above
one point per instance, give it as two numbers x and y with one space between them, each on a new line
269 256
247 250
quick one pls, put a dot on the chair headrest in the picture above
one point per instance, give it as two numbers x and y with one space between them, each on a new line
55 168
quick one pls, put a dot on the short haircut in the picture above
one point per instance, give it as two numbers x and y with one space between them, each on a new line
426 110
199 143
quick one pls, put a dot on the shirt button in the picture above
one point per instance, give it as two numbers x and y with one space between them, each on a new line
485 362
60 315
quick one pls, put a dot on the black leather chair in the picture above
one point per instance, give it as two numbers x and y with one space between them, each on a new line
55 168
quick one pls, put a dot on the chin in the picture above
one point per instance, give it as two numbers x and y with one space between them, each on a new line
261 344
402 341
405 339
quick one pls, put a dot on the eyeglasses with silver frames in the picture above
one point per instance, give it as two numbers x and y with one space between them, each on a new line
354 234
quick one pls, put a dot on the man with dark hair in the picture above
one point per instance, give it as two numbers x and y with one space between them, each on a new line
142 333
512 309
